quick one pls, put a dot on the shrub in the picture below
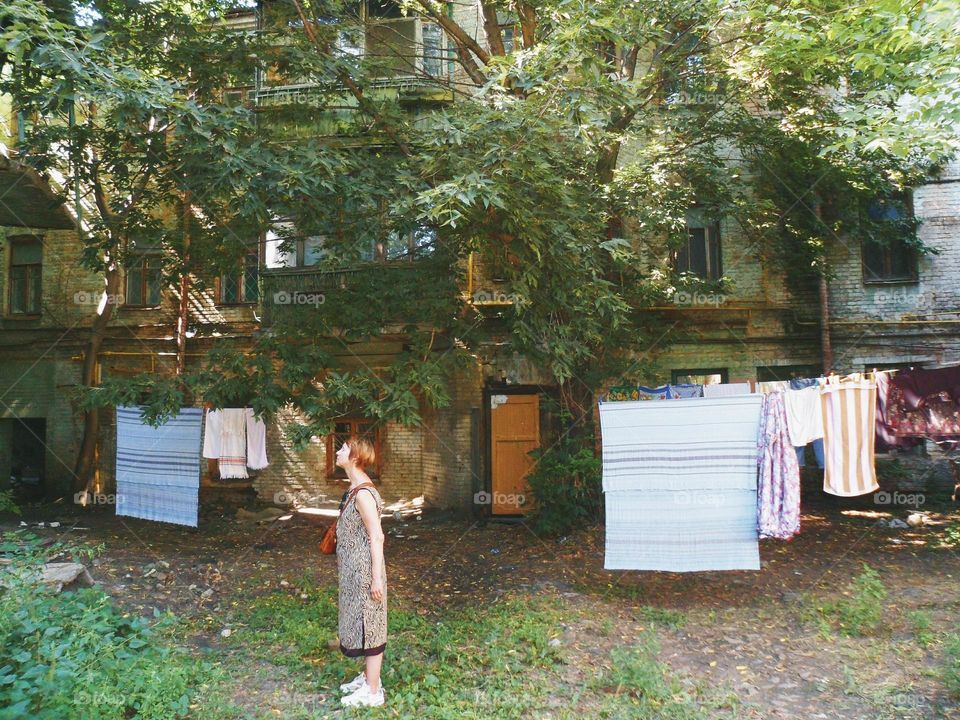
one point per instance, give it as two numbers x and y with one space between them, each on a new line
75 655
566 485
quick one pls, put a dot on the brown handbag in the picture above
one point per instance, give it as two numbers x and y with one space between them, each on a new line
328 543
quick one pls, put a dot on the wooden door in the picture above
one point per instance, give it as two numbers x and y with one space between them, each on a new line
514 432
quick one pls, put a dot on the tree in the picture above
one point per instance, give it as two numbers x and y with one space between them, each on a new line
581 135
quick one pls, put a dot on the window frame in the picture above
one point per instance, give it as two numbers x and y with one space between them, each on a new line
711 236
675 375
336 474
911 256
143 258
34 275
241 273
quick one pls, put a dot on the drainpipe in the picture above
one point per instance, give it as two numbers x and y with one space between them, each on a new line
826 348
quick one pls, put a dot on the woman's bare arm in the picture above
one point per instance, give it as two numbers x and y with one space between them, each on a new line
367 507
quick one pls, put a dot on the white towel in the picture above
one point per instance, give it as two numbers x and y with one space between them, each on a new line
804 415
256 442
233 444
211 434
725 389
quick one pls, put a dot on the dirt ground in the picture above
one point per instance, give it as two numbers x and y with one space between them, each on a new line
753 634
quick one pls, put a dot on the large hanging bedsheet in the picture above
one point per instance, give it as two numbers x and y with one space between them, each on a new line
680 484
158 468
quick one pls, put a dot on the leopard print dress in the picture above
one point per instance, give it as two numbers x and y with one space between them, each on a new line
362 620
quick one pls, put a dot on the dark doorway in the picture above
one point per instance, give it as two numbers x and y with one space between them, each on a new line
28 438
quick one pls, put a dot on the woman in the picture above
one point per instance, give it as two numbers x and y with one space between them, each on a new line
362 574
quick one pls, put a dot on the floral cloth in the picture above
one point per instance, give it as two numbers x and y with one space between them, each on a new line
778 491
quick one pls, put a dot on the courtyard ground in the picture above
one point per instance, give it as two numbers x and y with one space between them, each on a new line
848 619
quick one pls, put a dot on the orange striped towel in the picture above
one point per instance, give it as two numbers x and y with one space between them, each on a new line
849 417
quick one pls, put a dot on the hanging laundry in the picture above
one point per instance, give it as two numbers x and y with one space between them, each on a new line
650 393
680 484
920 384
888 411
778 489
212 428
256 441
804 415
622 392
817 453
715 390
768 386
849 423
233 444
158 468
935 415
686 391
801 383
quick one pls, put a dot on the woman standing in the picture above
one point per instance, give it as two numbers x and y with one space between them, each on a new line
362 574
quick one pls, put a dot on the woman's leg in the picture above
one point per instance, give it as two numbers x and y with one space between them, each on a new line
374 662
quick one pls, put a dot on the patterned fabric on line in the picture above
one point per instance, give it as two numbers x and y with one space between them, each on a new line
233 444
675 504
362 622
849 424
657 393
686 391
158 469
778 490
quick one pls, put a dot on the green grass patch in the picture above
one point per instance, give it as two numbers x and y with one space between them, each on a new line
951 664
860 611
75 655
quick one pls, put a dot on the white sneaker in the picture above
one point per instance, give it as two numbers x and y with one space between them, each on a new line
364 696
355 684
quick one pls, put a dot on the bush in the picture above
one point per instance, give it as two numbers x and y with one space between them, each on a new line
566 485
75 655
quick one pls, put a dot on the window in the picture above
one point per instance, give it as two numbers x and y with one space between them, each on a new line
886 255
767 373
144 281
306 251
242 285
26 271
707 376
407 245
434 58
341 431
700 255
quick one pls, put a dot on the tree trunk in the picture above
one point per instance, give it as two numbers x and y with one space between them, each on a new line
182 313
826 346
83 469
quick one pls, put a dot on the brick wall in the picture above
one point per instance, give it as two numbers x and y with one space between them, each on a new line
865 331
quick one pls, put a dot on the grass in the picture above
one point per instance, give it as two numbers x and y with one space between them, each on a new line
951 664
859 612
502 659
